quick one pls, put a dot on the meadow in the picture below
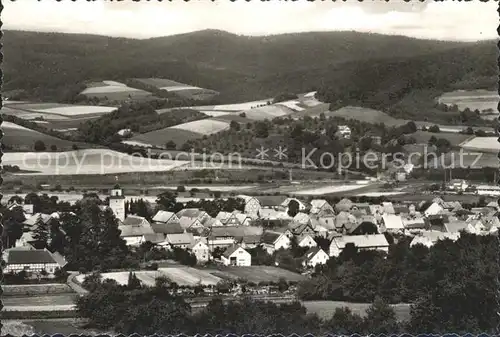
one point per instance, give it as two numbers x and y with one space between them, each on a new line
366 115
482 100
180 89
455 139
258 274
86 162
114 91
20 138
161 137
204 127
330 189
482 144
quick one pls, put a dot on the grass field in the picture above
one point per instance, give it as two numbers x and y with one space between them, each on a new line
482 100
470 159
189 276
181 89
38 301
326 309
330 189
82 162
258 274
366 115
203 127
114 91
59 326
162 136
482 144
57 111
455 139
23 139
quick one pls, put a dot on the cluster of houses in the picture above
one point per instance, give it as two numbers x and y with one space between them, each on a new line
266 222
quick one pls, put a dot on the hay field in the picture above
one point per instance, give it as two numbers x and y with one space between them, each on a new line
114 91
203 126
189 276
366 115
21 138
422 137
162 136
482 144
77 110
268 112
90 161
258 274
330 189
482 100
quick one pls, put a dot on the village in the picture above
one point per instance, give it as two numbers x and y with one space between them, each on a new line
322 230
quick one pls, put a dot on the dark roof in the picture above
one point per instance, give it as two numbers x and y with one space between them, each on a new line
231 250
38 256
401 209
134 220
172 228
251 239
269 237
276 200
190 213
154 238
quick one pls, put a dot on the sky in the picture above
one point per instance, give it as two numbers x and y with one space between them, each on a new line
448 20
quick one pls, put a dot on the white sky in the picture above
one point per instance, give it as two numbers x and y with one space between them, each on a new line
449 20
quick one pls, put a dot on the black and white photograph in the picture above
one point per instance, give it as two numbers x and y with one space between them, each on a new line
236 167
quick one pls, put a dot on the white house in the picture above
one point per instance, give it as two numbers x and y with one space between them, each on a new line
344 131
364 242
252 205
458 185
236 256
306 240
200 250
391 223
320 207
433 209
134 229
30 260
165 217
315 256
273 241
183 241
429 238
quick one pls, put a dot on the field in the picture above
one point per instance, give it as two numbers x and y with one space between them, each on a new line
50 327
56 110
114 91
181 275
482 144
233 107
203 127
472 159
181 89
294 105
366 115
482 100
258 274
39 303
23 139
82 162
330 189
162 136
268 112
326 309
455 139
221 188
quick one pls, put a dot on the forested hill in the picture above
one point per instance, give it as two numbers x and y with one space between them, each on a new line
240 67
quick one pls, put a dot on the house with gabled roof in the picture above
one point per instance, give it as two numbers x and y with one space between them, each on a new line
272 241
344 221
343 205
34 261
493 205
226 235
252 205
190 222
430 238
315 256
306 240
236 256
133 230
273 214
213 222
301 218
321 207
193 213
243 219
433 209
391 223
201 250
300 228
228 218
182 241
362 242
167 228
274 202
164 217
31 221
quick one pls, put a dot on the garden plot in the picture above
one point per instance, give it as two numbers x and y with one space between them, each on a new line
482 144
203 127
258 274
82 162
189 276
483 100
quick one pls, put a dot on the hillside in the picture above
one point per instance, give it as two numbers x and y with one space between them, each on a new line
239 67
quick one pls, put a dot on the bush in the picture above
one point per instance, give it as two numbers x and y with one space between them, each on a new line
39 146
181 189
434 129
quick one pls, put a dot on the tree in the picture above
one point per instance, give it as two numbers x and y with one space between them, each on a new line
171 145
41 233
181 189
261 129
381 318
234 125
434 129
133 282
166 201
293 208
39 146
53 148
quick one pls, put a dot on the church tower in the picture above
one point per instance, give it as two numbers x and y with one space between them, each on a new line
117 203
